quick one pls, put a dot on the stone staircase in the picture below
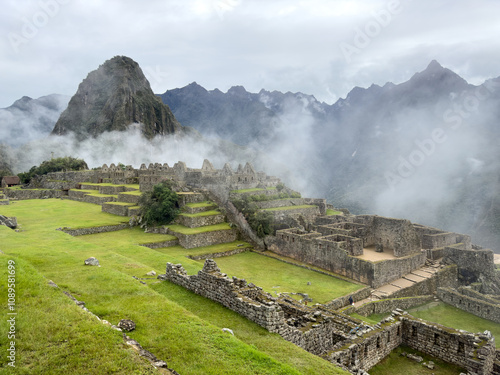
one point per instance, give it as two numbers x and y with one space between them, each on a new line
408 280
200 224
119 200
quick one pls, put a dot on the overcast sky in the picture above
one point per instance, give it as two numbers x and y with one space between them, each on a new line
319 47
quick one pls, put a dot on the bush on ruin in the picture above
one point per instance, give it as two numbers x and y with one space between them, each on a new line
159 206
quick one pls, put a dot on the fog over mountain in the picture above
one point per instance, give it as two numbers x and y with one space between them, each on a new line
425 149
30 119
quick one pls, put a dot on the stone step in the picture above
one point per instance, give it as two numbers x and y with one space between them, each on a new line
190 238
201 219
196 208
119 208
190 197
128 197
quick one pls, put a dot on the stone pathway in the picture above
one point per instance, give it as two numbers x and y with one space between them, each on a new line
406 281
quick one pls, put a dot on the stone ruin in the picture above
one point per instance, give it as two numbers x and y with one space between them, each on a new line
465 274
338 338
208 177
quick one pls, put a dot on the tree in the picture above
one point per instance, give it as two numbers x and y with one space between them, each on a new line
159 206
67 163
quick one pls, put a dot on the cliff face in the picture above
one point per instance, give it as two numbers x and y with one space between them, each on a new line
113 97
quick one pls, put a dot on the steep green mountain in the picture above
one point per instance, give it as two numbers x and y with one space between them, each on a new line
113 97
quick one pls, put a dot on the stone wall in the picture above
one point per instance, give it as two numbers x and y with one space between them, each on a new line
473 265
236 217
366 351
210 283
281 203
475 353
190 241
128 198
23 194
312 329
389 305
158 245
396 235
476 306
200 221
328 253
94 230
115 209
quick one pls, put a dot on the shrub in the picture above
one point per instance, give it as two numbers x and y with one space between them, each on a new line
159 206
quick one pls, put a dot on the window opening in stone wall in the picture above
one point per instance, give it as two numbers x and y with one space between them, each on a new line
436 339
461 348
378 342
414 331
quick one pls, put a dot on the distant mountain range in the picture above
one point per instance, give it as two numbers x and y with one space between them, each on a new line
425 149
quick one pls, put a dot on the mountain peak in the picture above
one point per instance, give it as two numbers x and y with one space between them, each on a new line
112 97
434 65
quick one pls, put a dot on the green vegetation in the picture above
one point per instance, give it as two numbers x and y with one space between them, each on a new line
395 363
45 340
204 213
54 165
242 191
201 204
262 223
159 206
276 276
330 212
208 228
172 323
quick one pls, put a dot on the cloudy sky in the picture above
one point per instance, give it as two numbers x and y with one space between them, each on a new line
319 47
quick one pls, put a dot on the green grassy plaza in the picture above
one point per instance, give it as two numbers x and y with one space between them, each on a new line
174 324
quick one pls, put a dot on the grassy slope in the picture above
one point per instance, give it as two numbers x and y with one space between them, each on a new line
50 329
189 344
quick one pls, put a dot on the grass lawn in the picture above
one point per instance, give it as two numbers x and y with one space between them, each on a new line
395 364
330 212
204 213
450 316
201 204
288 208
50 329
135 192
242 191
208 228
58 336
276 276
